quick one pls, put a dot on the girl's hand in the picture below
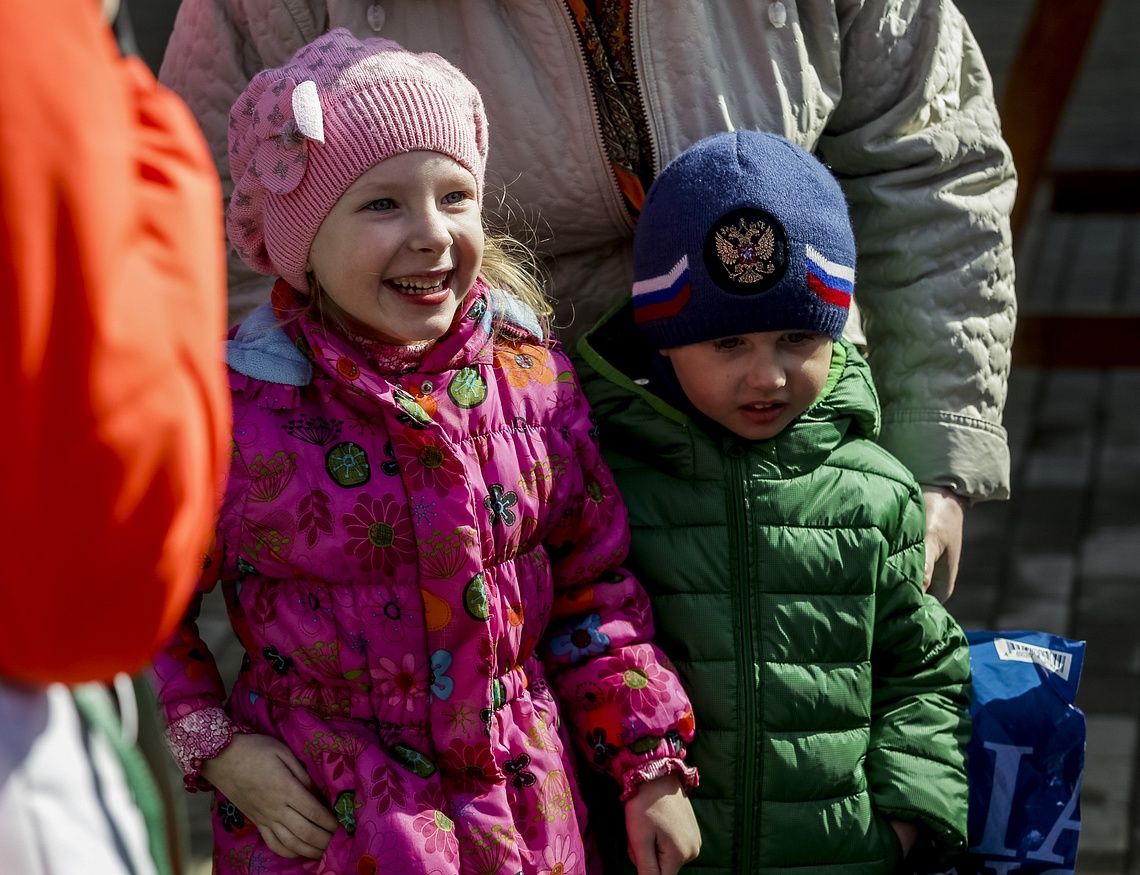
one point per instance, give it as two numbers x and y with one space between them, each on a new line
261 777
662 829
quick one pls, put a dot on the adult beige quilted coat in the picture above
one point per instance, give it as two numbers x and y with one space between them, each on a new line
892 94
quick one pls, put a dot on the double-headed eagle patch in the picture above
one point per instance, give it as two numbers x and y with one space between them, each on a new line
746 251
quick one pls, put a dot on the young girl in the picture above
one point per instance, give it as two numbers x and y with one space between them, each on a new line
419 543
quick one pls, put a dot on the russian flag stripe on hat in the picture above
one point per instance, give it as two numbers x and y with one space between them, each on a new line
662 296
832 282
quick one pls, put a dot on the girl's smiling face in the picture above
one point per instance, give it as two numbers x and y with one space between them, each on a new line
754 384
400 250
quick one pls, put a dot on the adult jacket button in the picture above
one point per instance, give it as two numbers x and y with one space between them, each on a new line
376 17
426 386
777 14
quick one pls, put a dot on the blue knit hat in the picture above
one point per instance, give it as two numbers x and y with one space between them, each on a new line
743 232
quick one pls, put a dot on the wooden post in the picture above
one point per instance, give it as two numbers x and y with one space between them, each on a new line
1041 79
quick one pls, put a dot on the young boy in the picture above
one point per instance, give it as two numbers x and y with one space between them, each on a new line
781 547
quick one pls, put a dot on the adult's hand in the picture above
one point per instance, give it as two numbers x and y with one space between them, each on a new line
263 778
662 829
945 515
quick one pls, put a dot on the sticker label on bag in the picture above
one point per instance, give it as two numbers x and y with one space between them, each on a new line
1055 661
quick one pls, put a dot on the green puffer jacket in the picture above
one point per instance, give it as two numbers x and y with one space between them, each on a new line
785 576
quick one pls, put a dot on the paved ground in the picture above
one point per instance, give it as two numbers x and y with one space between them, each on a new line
1063 555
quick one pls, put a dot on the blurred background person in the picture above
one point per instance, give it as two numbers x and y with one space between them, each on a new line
112 261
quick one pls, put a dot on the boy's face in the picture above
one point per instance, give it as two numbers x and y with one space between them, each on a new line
754 384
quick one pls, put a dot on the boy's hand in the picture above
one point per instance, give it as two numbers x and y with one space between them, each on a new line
269 785
662 829
907 833
945 515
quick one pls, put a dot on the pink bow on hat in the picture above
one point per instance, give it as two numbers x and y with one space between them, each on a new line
285 119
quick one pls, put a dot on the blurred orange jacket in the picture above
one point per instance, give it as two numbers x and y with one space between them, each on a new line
112 267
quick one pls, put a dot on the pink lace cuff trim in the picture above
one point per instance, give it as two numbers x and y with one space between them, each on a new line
634 778
199 736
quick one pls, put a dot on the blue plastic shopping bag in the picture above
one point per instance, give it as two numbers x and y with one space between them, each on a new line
1026 756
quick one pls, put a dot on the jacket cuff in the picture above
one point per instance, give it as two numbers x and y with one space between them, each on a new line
197 737
634 778
632 769
967 455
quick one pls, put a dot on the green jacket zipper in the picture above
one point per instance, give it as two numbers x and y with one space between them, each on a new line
747 680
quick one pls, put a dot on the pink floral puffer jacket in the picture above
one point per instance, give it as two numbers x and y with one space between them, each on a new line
412 564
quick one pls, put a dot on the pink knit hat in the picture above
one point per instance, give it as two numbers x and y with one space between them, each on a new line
301 134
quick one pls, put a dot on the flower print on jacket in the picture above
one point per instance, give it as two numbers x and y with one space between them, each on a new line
499 503
405 684
271 537
603 751
478 607
270 476
246 858
473 764
541 479
395 608
437 829
467 388
322 689
430 465
597 490
347 368
379 534
347 464
230 816
339 751
524 363
314 608
580 639
590 697
345 809
561 858
458 716
443 553
645 684
319 430
411 759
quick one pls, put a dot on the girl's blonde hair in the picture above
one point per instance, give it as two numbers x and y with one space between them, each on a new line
512 266
508 265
